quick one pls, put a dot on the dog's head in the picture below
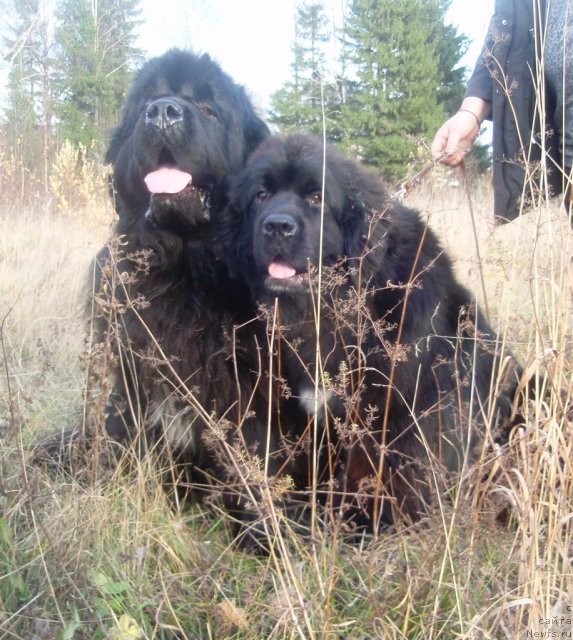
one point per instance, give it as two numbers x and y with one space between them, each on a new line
185 126
294 198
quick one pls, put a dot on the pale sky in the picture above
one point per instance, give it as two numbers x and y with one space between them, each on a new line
252 38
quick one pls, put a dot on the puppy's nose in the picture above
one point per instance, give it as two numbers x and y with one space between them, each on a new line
280 225
164 113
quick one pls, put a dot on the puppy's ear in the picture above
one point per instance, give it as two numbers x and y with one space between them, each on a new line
354 224
368 234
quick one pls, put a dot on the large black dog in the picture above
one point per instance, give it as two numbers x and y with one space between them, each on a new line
409 374
180 379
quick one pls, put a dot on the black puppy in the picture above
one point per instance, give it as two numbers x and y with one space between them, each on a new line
408 375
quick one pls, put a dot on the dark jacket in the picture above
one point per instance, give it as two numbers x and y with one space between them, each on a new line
505 75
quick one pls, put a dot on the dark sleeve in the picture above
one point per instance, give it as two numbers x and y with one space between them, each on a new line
480 84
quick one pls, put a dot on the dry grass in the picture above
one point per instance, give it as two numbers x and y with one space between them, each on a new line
115 561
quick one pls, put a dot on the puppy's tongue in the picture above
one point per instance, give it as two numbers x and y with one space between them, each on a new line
167 180
281 271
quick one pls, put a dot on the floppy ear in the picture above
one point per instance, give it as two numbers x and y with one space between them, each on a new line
253 129
117 139
364 196
255 132
120 134
354 224
367 224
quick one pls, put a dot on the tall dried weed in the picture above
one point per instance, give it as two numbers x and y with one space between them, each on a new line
112 558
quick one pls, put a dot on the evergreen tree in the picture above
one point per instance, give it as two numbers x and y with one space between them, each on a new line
396 52
299 104
398 78
96 55
451 47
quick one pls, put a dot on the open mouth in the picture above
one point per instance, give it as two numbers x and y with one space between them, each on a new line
173 193
282 276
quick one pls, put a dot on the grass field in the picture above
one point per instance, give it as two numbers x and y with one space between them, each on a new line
113 560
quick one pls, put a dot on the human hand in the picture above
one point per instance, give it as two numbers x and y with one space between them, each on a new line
454 137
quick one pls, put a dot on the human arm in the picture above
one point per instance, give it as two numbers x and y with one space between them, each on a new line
455 136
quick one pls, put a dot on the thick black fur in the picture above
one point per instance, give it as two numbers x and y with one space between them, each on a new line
410 373
164 302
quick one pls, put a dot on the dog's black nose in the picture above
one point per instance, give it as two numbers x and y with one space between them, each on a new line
164 113
280 225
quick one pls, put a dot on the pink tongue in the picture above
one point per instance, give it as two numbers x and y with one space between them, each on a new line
281 271
167 180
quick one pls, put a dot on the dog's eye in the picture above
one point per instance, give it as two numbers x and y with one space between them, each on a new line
206 110
315 199
262 195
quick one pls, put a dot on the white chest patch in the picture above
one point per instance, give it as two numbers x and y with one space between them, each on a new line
312 403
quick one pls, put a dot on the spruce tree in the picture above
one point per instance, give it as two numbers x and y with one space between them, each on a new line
451 47
397 79
299 104
394 54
